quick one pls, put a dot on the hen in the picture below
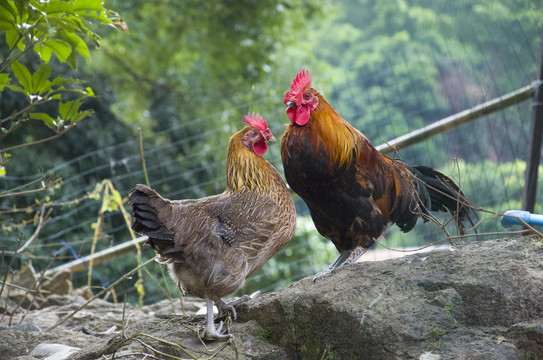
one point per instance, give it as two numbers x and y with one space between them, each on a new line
353 191
212 244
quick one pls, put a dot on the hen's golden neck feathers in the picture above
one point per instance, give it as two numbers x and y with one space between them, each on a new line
247 171
339 138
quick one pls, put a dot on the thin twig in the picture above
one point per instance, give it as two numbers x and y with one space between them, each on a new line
45 187
135 337
121 279
57 135
41 222
30 291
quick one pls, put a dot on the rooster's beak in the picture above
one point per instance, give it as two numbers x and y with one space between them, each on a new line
291 104
272 139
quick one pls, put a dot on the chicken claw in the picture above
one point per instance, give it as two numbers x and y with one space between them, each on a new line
345 258
209 332
222 306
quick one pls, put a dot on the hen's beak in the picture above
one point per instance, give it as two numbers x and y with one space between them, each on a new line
272 139
291 104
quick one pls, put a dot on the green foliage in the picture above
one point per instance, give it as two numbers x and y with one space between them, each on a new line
394 66
46 28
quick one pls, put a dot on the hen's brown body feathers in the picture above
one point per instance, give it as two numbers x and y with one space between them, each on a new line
213 244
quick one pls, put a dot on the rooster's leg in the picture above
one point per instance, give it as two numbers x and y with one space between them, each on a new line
345 258
210 333
222 306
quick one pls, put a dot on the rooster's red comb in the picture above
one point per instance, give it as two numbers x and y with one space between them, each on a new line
301 81
256 121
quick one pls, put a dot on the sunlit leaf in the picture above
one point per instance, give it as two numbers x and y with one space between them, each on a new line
89 92
45 52
60 48
72 60
12 36
6 25
40 79
7 10
45 118
69 111
16 88
23 75
22 9
4 80
2 171
78 44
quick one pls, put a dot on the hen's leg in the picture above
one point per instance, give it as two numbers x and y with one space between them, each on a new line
210 333
222 306
345 258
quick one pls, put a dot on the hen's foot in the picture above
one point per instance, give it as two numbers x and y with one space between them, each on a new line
209 332
345 258
222 306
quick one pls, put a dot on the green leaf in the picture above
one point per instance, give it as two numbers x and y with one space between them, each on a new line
45 52
6 25
7 11
68 110
12 36
78 44
72 60
46 119
22 9
23 75
89 92
2 171
17 89
60 48
4 80
40 79
53 7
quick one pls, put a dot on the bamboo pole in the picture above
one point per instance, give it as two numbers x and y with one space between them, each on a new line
99 257
458 119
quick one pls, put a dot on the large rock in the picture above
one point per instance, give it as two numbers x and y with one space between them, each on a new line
474 301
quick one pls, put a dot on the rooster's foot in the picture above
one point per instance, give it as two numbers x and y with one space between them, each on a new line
345 258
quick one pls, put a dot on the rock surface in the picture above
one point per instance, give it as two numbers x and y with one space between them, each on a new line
474 301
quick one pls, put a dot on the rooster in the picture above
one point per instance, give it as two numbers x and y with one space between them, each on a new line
211 245
351 189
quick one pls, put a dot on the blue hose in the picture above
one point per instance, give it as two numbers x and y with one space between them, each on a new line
530 219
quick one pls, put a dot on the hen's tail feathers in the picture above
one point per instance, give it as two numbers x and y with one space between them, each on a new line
146 207
438 192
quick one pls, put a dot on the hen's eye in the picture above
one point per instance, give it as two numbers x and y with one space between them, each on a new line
253 133
307 96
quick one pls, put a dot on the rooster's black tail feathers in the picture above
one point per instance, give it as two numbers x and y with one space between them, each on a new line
438 192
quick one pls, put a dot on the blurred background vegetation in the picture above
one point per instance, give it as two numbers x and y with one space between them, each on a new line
185 72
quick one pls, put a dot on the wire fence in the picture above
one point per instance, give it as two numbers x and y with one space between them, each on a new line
487 157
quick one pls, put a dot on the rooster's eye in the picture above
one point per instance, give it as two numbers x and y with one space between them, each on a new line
307 96
253 133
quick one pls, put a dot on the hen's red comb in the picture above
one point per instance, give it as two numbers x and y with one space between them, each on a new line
256 121
301 81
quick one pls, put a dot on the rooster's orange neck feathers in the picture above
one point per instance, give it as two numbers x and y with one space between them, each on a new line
341 140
